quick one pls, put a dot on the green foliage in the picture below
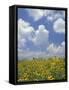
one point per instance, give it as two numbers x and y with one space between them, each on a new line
41 69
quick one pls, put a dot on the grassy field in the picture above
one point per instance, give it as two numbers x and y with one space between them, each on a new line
41 69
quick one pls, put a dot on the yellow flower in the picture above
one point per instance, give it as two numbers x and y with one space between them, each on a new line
50 78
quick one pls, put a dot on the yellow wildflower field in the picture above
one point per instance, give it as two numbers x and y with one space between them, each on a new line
39 69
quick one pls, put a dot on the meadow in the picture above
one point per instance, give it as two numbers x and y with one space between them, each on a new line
39 69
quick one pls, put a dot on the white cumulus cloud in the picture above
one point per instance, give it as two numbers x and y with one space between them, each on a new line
25 30
39 39
41 36
59 26
36 14
26 33
51 15
56 50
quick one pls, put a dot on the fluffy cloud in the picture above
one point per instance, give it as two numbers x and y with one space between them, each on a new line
39 39
26 33
51 15
25 30
52 50
59 26
41 36
36 14
56 50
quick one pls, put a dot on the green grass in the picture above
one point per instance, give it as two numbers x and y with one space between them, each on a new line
41 69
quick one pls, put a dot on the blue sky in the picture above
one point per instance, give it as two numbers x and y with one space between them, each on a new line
41 33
